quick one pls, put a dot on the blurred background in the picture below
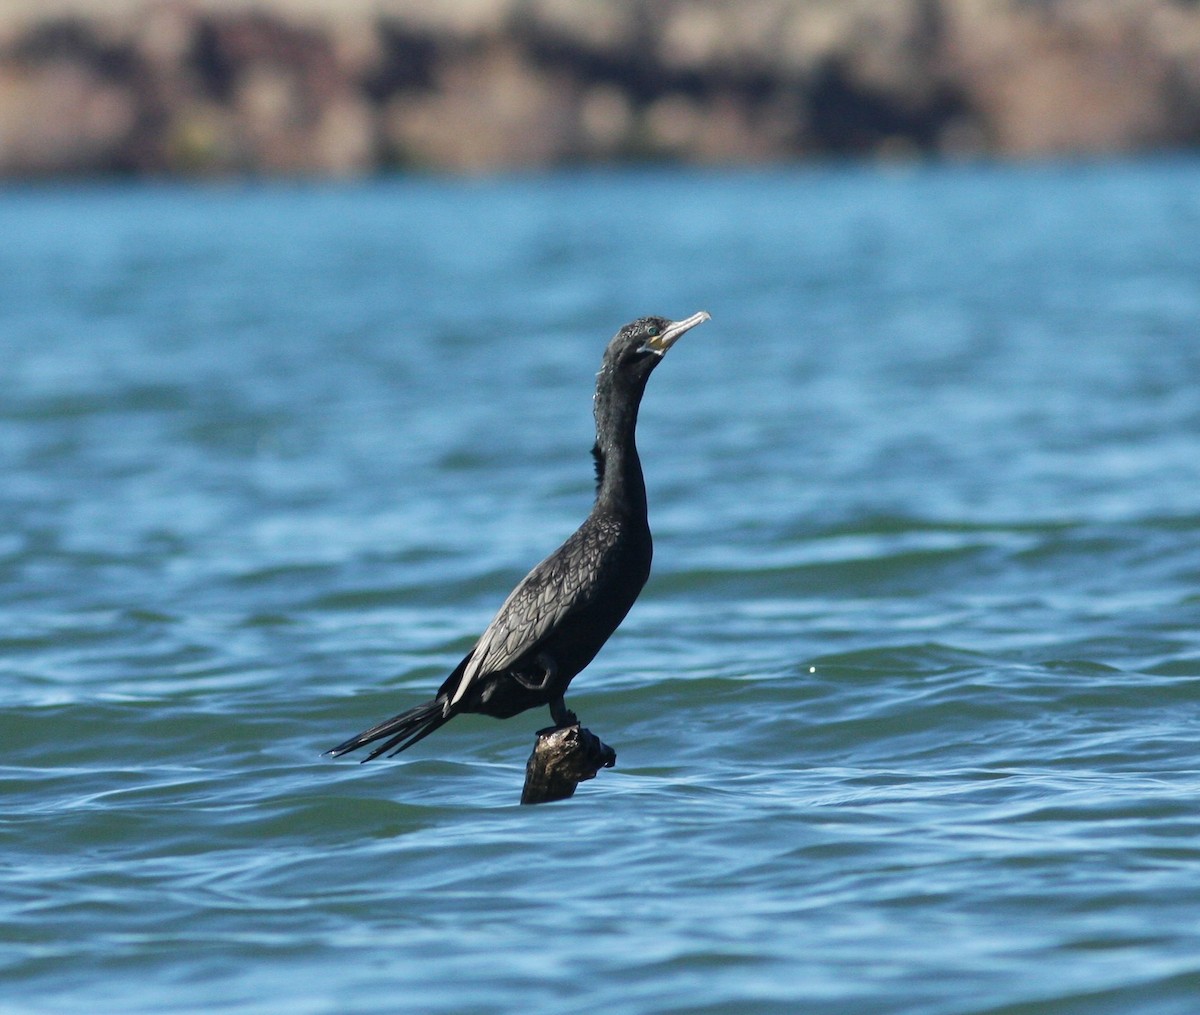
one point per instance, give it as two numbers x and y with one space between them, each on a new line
301 305
303 87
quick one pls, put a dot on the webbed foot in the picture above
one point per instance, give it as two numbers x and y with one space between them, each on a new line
562 715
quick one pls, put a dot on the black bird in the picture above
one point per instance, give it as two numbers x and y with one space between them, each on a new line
556 620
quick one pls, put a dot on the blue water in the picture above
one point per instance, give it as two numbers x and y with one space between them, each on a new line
906 719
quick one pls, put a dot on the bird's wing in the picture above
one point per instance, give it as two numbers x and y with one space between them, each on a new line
559 585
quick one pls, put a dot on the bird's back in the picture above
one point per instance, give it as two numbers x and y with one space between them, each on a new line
560 614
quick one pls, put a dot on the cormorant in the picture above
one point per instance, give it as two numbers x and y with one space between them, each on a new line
555 621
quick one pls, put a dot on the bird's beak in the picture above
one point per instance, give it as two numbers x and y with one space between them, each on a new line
663 341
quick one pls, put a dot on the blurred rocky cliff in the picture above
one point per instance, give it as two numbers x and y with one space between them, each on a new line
353 86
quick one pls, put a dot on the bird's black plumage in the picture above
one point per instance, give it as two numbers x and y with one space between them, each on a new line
556 620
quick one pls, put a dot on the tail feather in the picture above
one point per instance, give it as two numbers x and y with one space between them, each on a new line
404 730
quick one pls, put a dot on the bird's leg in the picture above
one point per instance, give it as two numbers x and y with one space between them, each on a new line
550 668
562 715
559 712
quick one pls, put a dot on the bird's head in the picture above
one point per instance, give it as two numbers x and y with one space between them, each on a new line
630 358
638 347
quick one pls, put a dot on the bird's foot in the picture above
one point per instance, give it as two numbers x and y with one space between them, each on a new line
562 715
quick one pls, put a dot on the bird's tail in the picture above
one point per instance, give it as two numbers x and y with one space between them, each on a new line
402 730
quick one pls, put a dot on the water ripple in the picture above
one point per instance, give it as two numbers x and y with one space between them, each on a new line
905 718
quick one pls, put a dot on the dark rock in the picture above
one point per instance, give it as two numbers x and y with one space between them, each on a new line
562 758
475 85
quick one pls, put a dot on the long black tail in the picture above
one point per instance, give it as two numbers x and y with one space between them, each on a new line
403 730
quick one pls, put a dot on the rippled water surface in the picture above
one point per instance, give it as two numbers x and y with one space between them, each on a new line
907 717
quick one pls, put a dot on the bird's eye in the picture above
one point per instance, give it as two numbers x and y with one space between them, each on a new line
651 330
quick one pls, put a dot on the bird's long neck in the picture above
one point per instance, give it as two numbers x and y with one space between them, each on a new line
619 484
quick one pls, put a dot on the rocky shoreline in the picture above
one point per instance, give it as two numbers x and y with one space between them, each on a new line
289 88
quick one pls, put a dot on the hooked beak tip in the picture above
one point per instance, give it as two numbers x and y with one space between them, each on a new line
675 330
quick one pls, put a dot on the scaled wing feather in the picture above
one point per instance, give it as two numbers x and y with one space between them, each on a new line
546 596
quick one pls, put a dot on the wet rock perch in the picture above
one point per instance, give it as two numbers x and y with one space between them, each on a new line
562 758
